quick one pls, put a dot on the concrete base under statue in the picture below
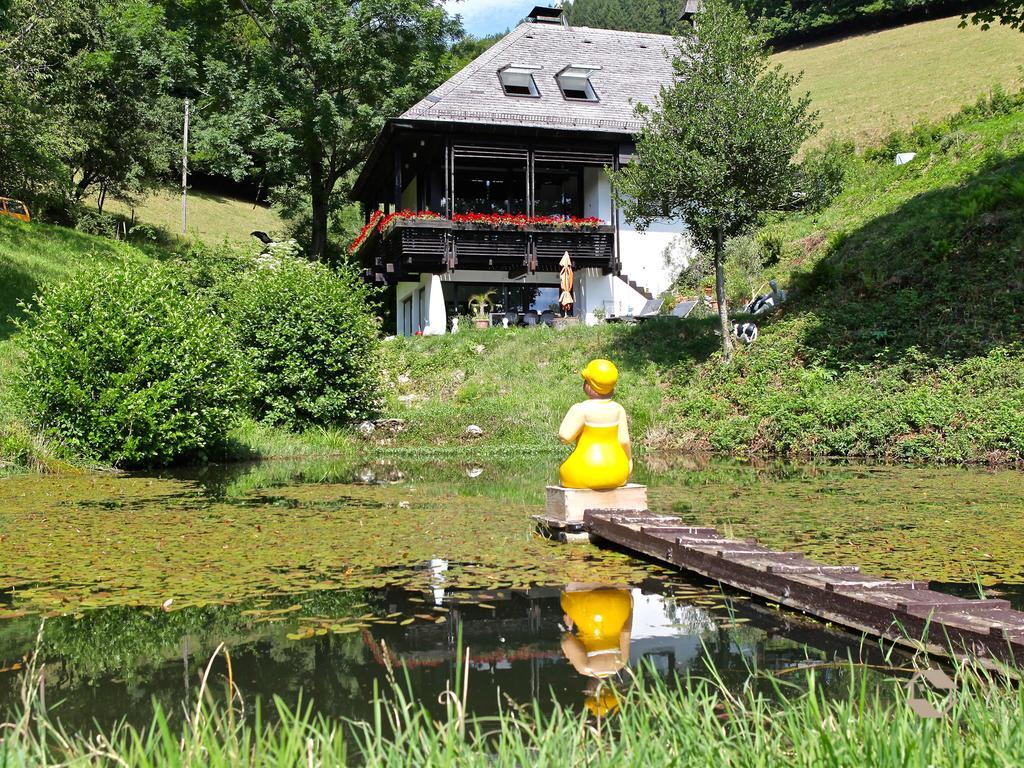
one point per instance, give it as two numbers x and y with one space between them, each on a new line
569 504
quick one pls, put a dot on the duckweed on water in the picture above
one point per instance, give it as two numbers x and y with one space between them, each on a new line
73 543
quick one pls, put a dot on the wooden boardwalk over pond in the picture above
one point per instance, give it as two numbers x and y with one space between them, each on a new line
906 612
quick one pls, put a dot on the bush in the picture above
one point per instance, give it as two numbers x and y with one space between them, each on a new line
822 174
129 367
95 223
311 337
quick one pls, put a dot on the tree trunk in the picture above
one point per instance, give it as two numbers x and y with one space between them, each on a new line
320 185
723 310
318 238
82 186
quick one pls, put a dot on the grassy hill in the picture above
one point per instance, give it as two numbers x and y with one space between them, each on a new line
901 338
211 217
871 84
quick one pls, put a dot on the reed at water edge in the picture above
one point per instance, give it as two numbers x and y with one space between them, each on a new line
657 723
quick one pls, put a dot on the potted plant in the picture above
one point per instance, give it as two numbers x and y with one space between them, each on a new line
479 303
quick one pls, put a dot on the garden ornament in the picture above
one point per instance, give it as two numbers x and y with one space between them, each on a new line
598 623
602 458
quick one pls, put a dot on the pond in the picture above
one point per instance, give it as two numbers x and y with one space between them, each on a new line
318 576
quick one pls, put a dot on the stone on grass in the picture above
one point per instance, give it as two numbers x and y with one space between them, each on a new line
473 431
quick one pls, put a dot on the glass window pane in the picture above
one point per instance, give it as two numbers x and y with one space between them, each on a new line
558 191
492 188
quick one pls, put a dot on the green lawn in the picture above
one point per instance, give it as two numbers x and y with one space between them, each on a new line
211 217
868 85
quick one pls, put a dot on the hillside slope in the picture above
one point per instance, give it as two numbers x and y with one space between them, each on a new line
868 85
211 217
901 338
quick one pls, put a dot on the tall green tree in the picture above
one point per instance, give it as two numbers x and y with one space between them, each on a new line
311 83
118 90
717 149
85 100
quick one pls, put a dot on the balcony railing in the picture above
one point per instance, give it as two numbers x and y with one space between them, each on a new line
437 245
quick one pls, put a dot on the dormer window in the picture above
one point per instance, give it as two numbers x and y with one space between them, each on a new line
574 82
518 80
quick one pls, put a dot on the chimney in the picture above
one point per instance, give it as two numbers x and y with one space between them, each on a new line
544 15
690 9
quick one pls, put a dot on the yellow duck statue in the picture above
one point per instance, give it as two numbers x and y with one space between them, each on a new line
603 457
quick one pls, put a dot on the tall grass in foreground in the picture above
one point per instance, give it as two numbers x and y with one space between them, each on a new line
657 723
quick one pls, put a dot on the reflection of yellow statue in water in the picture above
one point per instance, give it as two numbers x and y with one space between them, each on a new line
603 457
597 643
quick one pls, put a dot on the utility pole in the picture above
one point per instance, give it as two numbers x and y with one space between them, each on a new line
184 174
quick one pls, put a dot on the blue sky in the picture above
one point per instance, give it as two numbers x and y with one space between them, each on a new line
485 17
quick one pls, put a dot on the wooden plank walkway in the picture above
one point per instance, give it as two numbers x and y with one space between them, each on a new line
906 612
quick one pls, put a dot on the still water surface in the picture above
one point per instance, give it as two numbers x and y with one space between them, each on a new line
317 576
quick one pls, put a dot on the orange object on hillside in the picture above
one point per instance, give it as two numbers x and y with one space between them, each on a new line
14 208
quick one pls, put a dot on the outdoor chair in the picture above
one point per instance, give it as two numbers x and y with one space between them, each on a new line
684 308
548 318
651 309
530 319
648 310
513 318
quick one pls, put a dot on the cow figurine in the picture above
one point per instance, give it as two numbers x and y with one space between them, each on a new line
767 302
745 332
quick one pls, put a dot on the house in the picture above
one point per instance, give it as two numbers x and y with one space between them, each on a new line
486 182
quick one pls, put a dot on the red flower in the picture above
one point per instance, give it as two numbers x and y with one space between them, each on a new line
521 220
364 233
382 222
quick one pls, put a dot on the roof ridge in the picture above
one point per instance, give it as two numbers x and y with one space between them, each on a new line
630 32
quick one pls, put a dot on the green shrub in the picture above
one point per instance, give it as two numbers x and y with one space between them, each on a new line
822 174
95 223
129 367
311 336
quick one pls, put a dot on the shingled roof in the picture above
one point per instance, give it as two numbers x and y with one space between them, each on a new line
633 67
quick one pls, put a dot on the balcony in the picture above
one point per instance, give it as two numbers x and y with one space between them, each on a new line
410 247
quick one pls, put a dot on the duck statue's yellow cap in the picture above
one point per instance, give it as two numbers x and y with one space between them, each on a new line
601 375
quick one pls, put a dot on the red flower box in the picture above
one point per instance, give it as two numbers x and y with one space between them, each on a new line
381 222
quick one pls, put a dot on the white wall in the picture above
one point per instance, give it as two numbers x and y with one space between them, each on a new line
608 292
428 313
597 194
642 253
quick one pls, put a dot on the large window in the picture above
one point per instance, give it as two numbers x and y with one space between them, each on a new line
559 191
490 186
508 297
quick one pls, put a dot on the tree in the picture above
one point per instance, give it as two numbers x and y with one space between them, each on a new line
116 88
320 80
1009 12
717 149
85 101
